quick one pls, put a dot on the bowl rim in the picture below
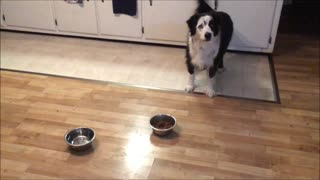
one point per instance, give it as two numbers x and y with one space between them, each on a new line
175 122
79 145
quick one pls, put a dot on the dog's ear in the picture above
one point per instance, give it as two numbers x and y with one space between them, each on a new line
215 24
192 23
215 29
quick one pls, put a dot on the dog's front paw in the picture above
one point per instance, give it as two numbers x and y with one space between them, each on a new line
210 92
189 88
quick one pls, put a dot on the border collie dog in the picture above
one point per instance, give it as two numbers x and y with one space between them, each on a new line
209 36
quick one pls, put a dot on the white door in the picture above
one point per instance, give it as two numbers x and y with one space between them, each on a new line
253 21
120 24
76 17
166 20
28 14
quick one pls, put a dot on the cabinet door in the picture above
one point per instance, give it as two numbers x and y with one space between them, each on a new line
253 21
166 20
1 14
76 17
29 14
119 24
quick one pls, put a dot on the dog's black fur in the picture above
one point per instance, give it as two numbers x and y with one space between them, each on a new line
222 24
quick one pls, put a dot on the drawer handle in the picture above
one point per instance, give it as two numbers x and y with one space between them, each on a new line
150 2
74 1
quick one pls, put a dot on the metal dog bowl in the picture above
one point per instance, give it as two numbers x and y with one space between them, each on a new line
160 118
79 138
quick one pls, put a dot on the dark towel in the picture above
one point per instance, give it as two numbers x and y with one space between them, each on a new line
128 7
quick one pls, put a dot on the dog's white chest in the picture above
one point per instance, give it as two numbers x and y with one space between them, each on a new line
203 54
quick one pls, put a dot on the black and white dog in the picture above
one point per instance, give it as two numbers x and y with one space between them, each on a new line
210 33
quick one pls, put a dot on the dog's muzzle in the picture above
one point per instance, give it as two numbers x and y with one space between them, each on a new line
207 36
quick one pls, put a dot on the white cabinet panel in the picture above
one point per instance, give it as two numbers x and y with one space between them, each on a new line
29 14
119 24
75 17
1 14
252 20
166 20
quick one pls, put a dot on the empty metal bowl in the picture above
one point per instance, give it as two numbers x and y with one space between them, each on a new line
80 138
167 121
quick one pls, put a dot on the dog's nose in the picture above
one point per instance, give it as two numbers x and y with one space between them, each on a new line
207 36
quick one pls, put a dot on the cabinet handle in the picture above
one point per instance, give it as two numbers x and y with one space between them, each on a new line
102 1
74 1
150 2
215 4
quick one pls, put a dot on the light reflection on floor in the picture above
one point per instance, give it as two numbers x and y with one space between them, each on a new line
138 148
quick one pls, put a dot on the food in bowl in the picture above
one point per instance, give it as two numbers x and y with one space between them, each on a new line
162 124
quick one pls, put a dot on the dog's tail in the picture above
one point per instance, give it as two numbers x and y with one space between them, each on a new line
203 7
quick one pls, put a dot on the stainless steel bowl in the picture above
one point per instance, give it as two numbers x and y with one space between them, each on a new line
80 138
162 117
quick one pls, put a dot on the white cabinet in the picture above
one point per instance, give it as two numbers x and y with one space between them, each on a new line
118 24
1 14
253 21
166 20
76 17
163 21
28 14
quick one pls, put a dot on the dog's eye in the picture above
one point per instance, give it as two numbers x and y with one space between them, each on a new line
200 26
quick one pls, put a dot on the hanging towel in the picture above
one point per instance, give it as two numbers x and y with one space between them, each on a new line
128 7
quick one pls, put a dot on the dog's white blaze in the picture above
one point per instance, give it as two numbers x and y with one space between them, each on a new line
204 21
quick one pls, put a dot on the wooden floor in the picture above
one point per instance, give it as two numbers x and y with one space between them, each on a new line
215 138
